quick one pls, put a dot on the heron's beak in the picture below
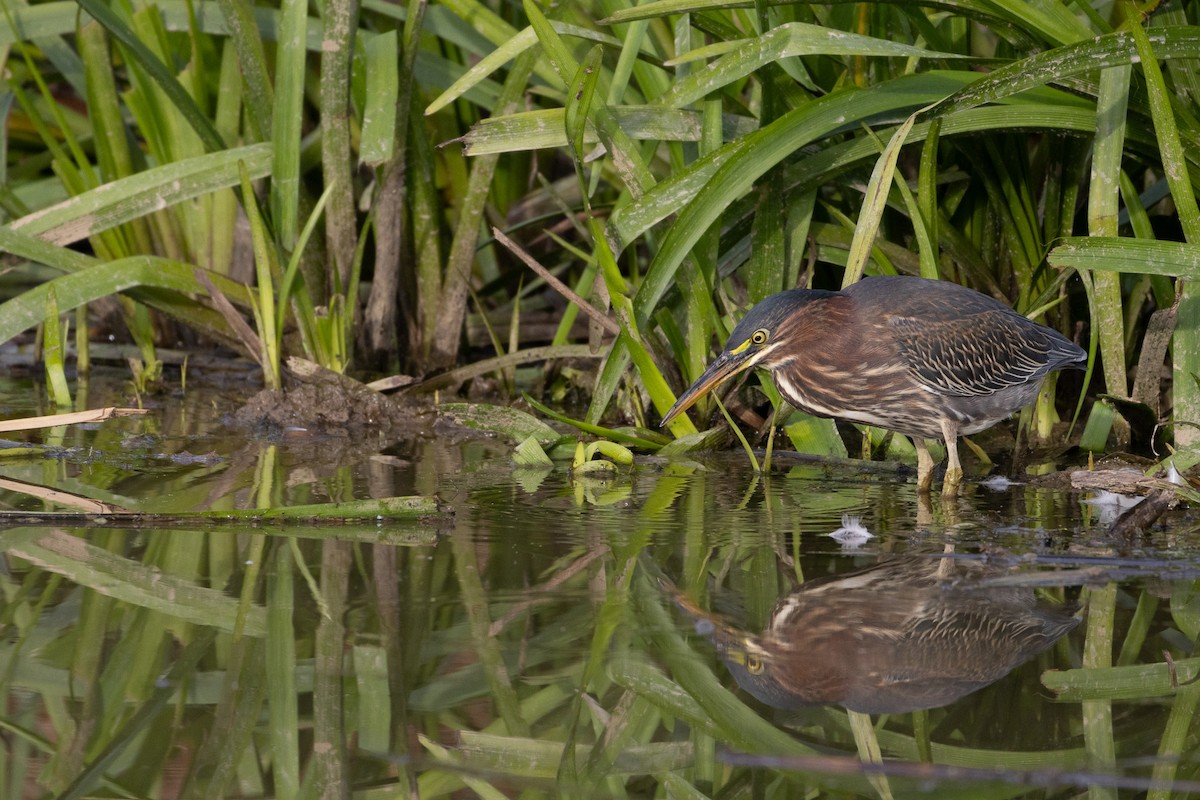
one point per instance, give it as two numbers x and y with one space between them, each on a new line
726 365
714 626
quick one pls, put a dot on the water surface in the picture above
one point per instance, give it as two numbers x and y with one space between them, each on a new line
681 630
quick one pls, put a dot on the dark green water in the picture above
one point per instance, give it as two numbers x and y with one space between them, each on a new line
670 630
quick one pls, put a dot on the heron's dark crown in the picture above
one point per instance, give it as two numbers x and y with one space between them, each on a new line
775 312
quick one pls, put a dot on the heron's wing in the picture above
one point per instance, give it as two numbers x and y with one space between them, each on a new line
982 353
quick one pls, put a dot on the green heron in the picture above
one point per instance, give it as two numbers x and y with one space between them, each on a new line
905 634
927 359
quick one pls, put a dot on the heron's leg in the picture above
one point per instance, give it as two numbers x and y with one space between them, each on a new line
924 465
954 473
945 570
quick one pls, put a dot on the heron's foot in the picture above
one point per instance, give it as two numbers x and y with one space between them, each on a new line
951 482
924 467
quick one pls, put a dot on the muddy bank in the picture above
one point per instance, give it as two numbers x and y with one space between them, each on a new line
321 401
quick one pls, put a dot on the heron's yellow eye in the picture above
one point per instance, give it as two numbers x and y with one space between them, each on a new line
754 664
760 336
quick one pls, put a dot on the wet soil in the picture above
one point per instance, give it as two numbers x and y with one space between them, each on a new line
330 408
322 401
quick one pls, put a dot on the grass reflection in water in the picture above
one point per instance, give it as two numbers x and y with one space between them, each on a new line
550 641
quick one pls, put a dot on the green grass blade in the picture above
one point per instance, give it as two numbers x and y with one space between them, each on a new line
337 161
874 203
281 666
645 439
492 27
264 269
1178 735
143 193
1104 196
626 158
149 62
785 41
180 672
580 95
1113 254
288 117
1186 341
131 581
244 30
746 160
782 138
54 354
1097 714
487 646
545 128
452 296
507 50
137 272
383 90
293 266
1110 50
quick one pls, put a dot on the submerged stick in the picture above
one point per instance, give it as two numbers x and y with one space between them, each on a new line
73 418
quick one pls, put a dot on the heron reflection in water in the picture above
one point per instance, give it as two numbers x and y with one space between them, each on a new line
909 633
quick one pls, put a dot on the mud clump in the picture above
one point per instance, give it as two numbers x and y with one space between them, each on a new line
329 408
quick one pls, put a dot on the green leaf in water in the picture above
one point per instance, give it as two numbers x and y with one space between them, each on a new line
1185 608
597 466
610 450
1099 425
509 422
54 353
817 436
530 454
649 440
